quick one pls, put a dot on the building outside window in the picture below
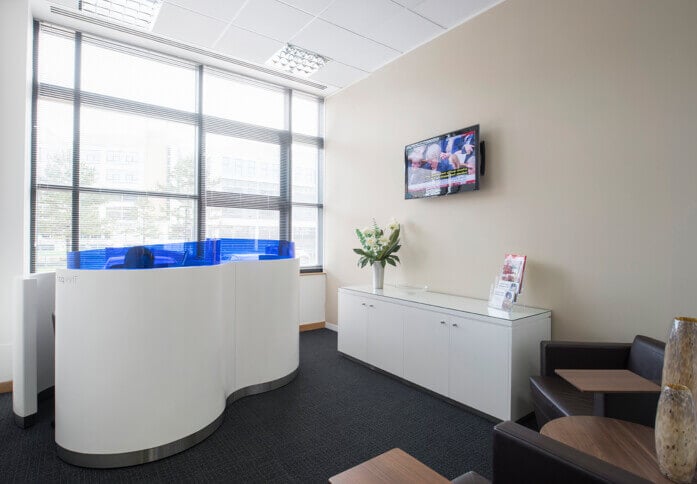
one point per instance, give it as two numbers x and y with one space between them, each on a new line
133 147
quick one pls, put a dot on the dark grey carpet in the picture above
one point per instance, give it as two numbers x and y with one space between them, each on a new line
334 415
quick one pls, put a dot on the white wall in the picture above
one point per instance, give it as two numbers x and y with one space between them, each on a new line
589 111
312 297
15 114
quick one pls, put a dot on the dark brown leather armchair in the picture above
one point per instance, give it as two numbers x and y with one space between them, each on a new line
523 456
553 397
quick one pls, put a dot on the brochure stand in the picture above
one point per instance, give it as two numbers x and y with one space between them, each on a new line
502 298
505 292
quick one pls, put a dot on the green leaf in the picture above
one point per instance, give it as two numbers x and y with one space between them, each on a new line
359 234
391 262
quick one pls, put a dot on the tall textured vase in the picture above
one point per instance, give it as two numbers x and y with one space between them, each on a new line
378 275
676 433
680 360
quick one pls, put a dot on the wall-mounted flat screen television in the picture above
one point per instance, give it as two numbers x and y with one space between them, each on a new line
442 165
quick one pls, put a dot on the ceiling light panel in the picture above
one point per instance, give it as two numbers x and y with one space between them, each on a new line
297 61
141 13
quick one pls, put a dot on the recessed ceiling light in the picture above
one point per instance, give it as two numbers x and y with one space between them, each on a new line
297 61
141 13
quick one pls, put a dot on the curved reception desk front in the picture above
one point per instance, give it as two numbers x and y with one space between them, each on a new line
146 360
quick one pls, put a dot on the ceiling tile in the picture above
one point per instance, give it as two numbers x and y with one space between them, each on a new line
409 3
245 45
404 31
449 13
222 9
272 18
346 47
67 3
337 74
313 7
360 16
187 26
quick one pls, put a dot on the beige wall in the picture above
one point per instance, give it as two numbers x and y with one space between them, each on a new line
589 111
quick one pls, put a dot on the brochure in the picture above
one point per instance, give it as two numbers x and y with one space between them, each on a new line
513 270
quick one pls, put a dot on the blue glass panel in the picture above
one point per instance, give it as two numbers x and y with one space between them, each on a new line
185 254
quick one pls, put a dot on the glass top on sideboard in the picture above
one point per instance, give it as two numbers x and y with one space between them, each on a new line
449 301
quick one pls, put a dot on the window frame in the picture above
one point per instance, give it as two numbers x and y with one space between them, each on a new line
204 124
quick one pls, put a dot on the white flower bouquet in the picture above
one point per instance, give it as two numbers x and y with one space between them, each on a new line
377 245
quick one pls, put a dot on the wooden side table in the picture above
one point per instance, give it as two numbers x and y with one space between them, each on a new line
393 467
622 444
602 382
608 381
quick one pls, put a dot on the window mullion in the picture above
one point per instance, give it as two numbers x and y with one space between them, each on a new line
34 138
201 157
285 217
75 230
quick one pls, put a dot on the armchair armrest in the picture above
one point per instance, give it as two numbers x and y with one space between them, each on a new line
522 455
575 355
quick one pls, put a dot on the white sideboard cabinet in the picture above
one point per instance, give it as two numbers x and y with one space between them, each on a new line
454 346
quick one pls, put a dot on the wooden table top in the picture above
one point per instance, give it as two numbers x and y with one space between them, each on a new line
394 466
608 381
623 444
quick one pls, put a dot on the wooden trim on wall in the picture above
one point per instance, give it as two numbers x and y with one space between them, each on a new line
6 386
311 326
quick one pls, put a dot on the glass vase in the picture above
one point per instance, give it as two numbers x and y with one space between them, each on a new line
378 275
680 360
676 433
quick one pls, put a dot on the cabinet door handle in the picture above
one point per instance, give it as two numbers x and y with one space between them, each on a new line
442 322
371 306
362 304
454 325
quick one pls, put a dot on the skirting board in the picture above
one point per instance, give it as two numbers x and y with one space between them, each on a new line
311 326
332 327
6 387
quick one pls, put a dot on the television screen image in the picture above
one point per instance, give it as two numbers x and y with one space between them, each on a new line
442 165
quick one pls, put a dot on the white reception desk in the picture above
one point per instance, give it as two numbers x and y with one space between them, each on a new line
146 360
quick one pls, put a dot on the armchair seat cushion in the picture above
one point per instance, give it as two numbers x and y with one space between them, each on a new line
555 398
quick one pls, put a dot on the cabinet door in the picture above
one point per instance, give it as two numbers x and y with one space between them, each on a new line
426 335
385 336
352 325
479 362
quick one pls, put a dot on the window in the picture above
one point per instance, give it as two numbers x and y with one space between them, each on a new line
235 98
107 69
134 147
